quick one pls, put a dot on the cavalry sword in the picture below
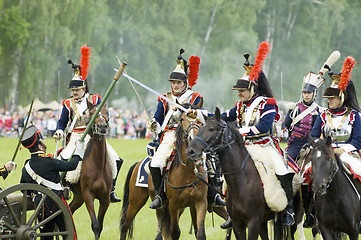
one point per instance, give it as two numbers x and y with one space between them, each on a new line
154 92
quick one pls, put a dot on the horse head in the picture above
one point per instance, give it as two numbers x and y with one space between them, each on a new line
324 164
189 124
209 137
101 125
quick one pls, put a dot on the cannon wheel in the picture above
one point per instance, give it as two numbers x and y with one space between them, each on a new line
29 229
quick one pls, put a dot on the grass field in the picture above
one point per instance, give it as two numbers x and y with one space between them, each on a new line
145 222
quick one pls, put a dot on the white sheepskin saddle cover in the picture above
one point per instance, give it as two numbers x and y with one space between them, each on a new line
274 194
74 176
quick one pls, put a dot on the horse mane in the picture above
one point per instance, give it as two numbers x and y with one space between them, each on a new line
88 148
323 145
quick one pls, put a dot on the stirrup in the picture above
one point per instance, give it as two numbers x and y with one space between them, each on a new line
288 218
218 201
227 224
157 202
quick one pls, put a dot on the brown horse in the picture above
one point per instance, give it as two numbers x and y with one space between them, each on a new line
245 201
96 174
183 189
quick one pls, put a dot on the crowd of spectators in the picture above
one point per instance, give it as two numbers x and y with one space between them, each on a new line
122 124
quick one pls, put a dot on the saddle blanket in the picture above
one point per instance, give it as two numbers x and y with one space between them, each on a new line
142 175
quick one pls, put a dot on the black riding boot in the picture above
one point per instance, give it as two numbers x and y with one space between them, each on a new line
288 213
213 196
227 224
307 197
113 196
157 182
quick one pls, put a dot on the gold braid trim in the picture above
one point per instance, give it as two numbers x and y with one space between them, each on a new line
329 119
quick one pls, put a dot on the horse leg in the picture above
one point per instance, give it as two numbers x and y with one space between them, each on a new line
239 231
193 212
76 203
264 231
254 229
103 207
326 233
201 209
174 224
89 202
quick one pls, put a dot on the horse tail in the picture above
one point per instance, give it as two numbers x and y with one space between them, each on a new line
126 202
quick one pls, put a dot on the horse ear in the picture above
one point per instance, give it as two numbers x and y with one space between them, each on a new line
329 140
218 114
310 140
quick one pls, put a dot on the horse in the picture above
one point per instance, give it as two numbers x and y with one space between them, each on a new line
245 201
96 174
183 188
336 199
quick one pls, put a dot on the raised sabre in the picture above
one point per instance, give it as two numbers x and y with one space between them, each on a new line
154 92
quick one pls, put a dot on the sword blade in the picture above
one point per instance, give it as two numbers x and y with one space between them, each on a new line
154 92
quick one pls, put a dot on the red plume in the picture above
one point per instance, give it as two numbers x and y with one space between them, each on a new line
347 67
84 60
262 52
194 62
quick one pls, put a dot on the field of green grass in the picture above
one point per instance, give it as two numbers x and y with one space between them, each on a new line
145 225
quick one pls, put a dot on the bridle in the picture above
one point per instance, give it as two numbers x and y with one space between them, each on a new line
222 140
194 125
334 168
97 127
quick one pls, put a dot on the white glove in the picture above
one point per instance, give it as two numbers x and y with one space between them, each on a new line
154 126
58 134
79 148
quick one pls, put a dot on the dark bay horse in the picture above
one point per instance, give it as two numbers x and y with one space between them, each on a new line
96 174
183 189
337 200
245 201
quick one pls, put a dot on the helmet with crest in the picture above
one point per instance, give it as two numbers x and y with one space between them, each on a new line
342 86
81 71
254 78
312 81
184 72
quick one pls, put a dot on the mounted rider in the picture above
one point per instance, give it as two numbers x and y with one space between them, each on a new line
75 114
255 113
341 120
299 122
166 119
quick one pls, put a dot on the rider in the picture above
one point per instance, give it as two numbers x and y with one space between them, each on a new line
6 169
75 114
165 120
44 169
255 113
341 120
299 122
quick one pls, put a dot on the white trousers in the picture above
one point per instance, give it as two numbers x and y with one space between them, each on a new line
354 162
69 149
164 150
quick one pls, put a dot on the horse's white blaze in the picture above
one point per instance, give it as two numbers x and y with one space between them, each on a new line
318 154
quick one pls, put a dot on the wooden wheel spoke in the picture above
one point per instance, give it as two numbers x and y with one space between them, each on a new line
37 210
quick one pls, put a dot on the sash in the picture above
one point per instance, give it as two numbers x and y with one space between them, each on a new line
40 180
181 99
248 115
304 114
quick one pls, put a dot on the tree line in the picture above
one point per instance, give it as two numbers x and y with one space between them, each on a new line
38 37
